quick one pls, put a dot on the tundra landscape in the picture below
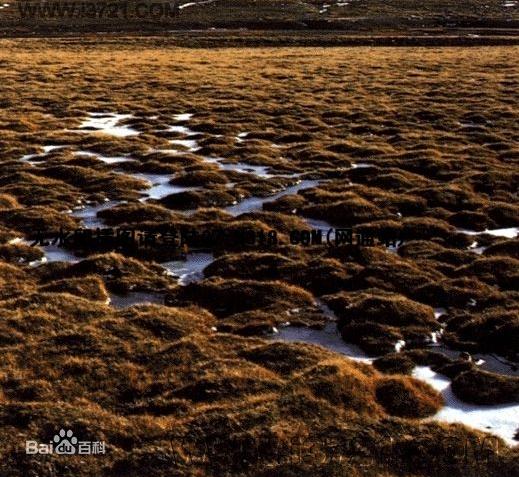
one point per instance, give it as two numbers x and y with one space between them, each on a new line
393 352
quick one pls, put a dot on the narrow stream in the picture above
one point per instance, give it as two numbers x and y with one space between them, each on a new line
499 420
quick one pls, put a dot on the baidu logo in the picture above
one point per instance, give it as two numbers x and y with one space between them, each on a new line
65 443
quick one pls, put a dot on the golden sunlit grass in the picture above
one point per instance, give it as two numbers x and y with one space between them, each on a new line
436 127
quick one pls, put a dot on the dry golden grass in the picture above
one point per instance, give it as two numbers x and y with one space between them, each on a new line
437 127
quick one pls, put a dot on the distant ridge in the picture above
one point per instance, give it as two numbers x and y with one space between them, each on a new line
368 17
